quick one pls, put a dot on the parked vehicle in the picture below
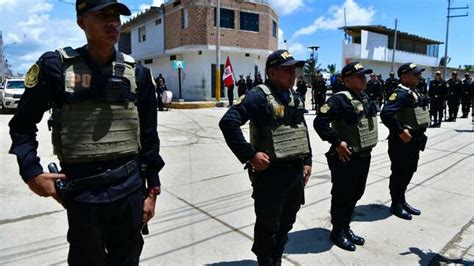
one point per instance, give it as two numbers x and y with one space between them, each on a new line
11 93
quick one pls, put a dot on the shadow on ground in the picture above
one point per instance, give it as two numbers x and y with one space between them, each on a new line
432 258
235 263
370 213
314 240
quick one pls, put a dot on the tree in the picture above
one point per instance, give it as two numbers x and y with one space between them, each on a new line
331 68
469 67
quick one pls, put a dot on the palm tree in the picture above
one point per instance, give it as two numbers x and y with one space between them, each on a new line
331 68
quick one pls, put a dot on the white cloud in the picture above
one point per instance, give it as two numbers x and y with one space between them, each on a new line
285 7
355 15
31 32
281 39
143 7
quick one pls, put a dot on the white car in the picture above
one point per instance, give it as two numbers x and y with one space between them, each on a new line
11 93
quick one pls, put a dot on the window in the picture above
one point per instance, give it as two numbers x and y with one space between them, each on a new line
227 18
148 61
172 57
249 21
274 29
158 21
142 34
184 18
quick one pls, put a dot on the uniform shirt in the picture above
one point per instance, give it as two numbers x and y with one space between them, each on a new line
390 85
374 88
438 90
49 91
454 88
398 100
338 106
468 87
422 87
319 86
253 107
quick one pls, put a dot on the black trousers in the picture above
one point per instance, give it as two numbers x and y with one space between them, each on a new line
278 195
230 95
436 112
466 105
404 158
348 186
453 104
106 233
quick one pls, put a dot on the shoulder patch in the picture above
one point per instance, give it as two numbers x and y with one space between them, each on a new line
393 96
128 59
324 108
68 52
31 77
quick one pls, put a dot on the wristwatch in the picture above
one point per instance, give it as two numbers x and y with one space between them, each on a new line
154 190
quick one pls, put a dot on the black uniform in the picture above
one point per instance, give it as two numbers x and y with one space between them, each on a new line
375 91
160 89
249 83
404 156
104 221
301 89
422 87
467 96
241 87
278 190
454 97
348 178
437 93
318 88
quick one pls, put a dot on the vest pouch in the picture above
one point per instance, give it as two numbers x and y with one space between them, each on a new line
117 90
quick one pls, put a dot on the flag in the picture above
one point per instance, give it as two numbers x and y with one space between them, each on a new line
228 75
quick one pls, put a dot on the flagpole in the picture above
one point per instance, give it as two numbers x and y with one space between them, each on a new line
218 53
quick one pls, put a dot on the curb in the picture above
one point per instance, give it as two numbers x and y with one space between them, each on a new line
192 105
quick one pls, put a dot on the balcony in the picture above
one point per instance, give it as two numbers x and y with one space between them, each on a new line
355 51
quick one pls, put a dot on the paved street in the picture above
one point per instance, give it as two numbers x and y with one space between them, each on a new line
205 213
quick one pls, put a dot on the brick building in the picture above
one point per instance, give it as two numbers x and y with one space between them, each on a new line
186 31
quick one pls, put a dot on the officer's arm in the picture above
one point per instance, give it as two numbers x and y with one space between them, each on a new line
235 117
150 143
395 102
327 113
38 94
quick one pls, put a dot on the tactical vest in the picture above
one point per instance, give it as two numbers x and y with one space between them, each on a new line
415 117
88 129
280 142
361 136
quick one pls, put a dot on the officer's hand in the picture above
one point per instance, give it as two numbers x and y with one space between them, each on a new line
43 185
306 173
405 136
149 208
343 152
260 161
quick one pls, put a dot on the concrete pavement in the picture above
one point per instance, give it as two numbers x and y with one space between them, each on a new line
205 213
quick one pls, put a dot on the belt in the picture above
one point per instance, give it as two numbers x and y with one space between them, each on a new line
107 177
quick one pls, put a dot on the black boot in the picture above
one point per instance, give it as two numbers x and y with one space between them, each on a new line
340 239
398 211
353 237
410 209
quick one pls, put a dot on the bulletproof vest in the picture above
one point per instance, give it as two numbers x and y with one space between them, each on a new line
279 141
363 135
416 116
98 120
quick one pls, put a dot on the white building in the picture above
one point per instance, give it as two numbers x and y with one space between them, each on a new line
372 45
185 31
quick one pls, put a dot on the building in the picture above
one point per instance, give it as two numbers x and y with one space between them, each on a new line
372 45
186 31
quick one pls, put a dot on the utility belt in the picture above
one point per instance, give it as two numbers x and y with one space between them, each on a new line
109 176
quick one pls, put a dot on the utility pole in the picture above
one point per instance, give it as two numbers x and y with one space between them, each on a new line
447 33
394 46
218 53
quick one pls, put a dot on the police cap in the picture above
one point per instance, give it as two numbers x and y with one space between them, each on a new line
438 72
409 68
83 6
282 58
354 68
466 74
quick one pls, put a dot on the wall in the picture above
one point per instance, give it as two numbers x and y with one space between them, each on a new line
154 40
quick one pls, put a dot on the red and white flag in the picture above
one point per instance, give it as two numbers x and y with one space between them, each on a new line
228 75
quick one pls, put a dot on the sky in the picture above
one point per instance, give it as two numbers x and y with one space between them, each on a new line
32 27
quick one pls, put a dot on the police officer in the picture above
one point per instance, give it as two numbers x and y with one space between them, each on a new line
390 85
454 95
437 93
241 86
406 116
348 120
97 111
319 91
467 94
375 90
301 88
422 87
278 155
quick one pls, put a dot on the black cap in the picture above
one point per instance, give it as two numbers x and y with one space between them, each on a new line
83 6
282 58
354 68
466 74
409 68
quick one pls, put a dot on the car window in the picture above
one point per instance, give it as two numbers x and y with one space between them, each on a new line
16 84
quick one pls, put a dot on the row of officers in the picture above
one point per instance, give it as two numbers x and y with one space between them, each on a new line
279 155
